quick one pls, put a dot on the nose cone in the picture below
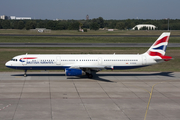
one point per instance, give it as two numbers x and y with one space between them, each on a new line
7 64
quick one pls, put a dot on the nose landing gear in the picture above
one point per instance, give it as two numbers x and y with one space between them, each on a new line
25 73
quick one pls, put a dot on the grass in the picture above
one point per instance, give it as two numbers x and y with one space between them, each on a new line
170 66
90 32
32 39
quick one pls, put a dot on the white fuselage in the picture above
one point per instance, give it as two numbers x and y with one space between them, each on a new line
92 61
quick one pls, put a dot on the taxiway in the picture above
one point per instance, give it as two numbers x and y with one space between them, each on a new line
109 96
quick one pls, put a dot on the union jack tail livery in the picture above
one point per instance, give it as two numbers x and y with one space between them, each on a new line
158 49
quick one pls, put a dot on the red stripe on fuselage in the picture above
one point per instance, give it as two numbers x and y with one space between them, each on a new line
164 39
30 58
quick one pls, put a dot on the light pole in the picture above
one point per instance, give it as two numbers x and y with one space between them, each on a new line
168 24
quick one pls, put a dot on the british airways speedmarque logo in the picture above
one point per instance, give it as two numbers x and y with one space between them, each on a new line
25 58
21 60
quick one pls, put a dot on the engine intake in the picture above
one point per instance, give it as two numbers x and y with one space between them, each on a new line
73 72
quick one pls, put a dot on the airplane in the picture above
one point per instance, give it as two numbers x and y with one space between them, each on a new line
88 64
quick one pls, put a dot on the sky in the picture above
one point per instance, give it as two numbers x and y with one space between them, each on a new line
78 9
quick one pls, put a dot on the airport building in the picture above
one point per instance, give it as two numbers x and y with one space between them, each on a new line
148 26
4 17
19 18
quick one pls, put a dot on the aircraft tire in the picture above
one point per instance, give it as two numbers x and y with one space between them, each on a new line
90 76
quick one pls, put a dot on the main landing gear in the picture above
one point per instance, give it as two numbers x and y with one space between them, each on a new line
89 75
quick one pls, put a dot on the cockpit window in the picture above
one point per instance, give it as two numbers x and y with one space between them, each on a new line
13 59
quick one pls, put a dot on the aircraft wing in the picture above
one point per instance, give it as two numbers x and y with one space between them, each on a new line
91 67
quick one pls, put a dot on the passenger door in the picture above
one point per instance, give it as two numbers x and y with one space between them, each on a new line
58 60
144 60
100 61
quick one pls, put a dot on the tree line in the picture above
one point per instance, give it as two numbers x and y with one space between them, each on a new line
93 24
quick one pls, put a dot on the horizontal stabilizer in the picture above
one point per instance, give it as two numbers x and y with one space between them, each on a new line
165 58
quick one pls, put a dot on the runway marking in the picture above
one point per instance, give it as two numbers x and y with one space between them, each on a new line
5 107
150 96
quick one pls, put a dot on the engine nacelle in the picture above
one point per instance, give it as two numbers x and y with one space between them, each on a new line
74 72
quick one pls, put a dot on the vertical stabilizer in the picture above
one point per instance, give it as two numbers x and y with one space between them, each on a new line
159 47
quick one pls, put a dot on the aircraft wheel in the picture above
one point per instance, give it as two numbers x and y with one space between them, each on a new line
90 76
25 73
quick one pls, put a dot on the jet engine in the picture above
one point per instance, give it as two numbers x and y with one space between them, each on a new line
74 72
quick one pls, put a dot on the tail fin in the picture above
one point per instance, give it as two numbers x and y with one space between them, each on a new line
159 47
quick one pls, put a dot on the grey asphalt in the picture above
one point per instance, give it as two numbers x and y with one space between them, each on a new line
82 44
109 96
